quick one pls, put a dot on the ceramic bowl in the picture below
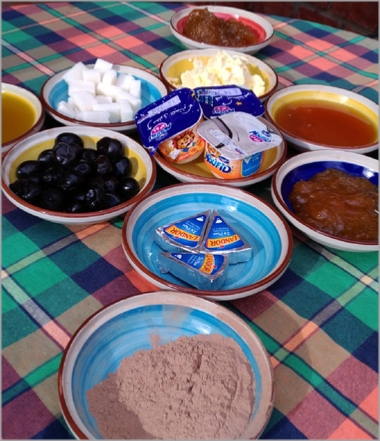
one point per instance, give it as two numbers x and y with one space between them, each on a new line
125 327
259 25
175 65
197 170
305 165
263 228
55 89
143 170
26 105
324 97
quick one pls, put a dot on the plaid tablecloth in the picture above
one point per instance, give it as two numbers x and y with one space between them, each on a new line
319 322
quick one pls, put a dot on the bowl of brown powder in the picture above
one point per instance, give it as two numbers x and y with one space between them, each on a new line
165 365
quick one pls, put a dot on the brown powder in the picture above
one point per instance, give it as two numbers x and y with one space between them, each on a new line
197 387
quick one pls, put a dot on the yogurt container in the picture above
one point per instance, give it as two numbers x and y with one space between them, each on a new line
235 144
170 124
218 100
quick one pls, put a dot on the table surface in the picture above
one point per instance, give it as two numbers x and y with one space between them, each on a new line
318 322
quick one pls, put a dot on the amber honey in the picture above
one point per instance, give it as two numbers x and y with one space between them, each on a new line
17 116
326 122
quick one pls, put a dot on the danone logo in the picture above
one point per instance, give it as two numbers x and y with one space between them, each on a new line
222 109
160 130
262 136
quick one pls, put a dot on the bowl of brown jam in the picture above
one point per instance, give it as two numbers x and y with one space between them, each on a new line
319 117
221 27
331 197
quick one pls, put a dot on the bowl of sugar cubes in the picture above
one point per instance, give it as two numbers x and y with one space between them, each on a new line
102 94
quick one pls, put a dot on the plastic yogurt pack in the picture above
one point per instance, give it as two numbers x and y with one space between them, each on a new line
235 144
169 125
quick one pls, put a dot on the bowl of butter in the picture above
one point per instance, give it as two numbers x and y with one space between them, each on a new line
215 67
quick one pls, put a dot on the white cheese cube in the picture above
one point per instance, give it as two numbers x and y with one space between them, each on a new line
102 65
124 81
66 109
107 90
112 108
75 72
92 75
133 101
80 86
94 116
109 77
135 88
83 100
126 111
103 99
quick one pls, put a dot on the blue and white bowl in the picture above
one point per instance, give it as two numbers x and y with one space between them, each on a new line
124 327
259 224
55 89
305 165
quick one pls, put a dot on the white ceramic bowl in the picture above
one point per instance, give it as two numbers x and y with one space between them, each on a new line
304 166
175 65
31 100
263 228
352 102
143 170
197 170
125 327
259 25
55 90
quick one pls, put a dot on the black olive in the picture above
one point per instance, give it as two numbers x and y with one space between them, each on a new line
122 167
66 154
86 168
103 165
128 187
110 147
96 198
79 195
97 180
71 180
29 168
75 206
52 175
52 199
27 189
47 157
89 154
69 138
111 183
113 199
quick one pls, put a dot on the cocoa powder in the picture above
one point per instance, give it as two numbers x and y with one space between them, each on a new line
197 387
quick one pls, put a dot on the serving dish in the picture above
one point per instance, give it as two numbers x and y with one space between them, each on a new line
197 170
314 128
55 89
261 27
143 170
261 226
16 102
305 165
126 326
175 65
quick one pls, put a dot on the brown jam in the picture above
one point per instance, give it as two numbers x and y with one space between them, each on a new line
339 204
205 27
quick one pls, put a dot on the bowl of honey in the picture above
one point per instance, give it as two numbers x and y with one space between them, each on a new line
331 198
318 117
22 115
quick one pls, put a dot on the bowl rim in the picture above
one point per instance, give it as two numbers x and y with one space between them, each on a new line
40 117
319 156
291 137
47 214
72 121
202 187
188 300
211 51
248 180
235 13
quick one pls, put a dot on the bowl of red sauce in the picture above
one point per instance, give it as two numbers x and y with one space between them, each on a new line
331 197
319 117
221 27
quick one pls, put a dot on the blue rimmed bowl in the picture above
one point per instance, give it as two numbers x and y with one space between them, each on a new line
304 166
55 89
126 326
260 224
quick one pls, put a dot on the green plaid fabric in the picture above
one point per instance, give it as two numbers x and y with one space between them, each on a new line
319 322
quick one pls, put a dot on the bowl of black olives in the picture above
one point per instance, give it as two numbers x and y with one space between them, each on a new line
77 174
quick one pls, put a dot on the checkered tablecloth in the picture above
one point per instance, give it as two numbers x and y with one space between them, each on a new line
319 322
